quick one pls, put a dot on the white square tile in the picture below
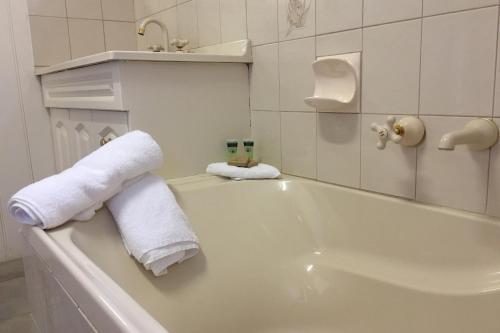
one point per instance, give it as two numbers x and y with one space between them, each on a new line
86 37
266 132
391 68
187 26
383 11
391 170
296 75
339 43
264 78
338 15
458 63
494 180
432 7
299 23
208 14
169 17
88 9
457 178
298 143
118 10
262 21
120 36
47 7
46 54
233 20
339 148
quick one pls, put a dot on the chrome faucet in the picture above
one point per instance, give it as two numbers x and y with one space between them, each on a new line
164 34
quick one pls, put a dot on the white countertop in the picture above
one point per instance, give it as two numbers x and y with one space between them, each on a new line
234 52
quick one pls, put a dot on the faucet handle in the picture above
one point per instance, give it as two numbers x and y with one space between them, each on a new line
156 48
386 132
179 44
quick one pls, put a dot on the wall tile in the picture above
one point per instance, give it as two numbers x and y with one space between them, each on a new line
391 66
337 15
47 7
262 21
233 20
339 148
389 171
339 43
208 13
296 76
57 50
456 178
88 9
169 17
187 26
264 78
432 7
493 207
298 143
120 36
383 11
145 8
458 62
307 26
266 132
114 10
86 37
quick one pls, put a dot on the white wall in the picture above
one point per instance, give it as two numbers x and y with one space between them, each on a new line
25 140
433 59
66 29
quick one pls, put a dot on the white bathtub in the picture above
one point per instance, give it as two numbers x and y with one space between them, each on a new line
286 255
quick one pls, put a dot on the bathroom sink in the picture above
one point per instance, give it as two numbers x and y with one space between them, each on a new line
237 52
299 256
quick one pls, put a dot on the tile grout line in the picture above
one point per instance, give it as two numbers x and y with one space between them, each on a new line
103 29
360 121
488 175
279 88
417 149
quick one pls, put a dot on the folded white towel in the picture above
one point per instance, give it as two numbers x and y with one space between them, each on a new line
79 191
153 226
260 171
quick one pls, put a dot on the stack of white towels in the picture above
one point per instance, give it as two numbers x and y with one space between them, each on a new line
153 226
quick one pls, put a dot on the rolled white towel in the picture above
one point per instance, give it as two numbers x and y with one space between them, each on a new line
260 171
79 191
153 227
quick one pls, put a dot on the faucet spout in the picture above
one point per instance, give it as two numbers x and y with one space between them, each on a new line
478 134
164 31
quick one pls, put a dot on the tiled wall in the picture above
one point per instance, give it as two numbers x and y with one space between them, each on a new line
66 29
25 139
434 59
202 22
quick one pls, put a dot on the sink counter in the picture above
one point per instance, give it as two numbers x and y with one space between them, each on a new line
233 52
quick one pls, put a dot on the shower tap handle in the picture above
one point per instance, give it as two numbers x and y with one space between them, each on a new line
386 132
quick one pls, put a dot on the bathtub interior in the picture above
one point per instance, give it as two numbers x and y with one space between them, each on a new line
303 256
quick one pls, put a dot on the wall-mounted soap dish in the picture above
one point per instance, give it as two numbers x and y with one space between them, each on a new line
336 86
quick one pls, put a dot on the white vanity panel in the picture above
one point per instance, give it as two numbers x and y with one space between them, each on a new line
78 132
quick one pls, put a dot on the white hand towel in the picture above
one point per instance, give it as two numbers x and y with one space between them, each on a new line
79 191
261 171
153 227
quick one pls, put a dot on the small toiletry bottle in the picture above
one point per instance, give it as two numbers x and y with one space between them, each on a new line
248 146
231 149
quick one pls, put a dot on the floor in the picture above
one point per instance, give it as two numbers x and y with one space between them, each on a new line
15 314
